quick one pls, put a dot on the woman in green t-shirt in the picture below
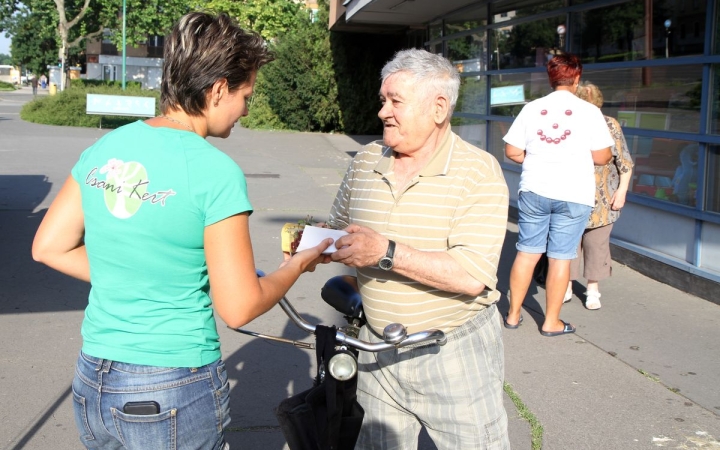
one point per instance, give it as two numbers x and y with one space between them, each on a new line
152 216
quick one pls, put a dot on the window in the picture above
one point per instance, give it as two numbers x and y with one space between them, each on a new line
155 46
666 169
466 20
655 98
714 127
470 130
613 33
505 9
468 52
712 202
472 95
529 44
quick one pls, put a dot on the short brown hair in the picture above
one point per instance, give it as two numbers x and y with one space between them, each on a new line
562 69
201 50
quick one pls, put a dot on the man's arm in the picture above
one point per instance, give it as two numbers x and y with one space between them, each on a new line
364 247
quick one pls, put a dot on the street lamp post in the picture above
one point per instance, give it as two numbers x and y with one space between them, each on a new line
561 33
667 24
123 47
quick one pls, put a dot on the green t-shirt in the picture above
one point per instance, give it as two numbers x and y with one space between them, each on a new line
147 195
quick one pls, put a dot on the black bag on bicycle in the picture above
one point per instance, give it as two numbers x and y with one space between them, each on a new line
326 416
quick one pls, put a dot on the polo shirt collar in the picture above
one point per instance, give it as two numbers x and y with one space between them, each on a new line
438 164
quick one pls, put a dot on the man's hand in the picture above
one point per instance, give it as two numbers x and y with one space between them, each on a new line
362 247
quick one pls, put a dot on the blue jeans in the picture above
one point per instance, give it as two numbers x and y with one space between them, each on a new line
550 225
194 405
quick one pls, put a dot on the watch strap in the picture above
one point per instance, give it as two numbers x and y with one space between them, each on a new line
391 249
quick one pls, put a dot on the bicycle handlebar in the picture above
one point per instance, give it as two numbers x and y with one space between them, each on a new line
415 338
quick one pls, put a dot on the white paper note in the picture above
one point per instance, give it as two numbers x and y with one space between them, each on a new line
312 236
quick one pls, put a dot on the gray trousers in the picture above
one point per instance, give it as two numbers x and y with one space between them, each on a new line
455 390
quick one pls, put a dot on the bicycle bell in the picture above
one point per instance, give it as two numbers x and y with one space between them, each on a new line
394 333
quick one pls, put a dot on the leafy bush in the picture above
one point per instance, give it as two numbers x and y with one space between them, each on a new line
6 86
134 85
67 108
321 80
298 90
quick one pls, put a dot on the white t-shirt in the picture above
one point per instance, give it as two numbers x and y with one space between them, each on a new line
561 169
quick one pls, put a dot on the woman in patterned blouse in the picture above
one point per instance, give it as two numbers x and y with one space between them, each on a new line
612 181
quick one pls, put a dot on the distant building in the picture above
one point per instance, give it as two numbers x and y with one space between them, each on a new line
142 63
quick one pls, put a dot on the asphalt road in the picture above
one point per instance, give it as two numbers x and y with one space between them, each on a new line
641 373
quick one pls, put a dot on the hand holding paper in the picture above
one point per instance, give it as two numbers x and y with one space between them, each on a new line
312 236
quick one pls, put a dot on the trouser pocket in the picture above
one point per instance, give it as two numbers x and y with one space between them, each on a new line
138 432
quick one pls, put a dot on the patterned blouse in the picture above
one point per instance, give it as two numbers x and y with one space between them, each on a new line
607 178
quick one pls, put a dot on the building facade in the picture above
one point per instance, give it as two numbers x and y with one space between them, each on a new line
657 63
142 63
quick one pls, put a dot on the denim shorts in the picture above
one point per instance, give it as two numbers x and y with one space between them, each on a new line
194 405
551 226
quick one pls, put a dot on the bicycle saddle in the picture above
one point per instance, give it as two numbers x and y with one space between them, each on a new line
341 293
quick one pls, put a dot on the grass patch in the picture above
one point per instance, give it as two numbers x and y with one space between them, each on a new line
536 428
648 376
67 108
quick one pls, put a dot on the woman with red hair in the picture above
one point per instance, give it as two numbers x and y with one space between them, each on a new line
558 139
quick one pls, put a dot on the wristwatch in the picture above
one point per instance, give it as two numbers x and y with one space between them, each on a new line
386 262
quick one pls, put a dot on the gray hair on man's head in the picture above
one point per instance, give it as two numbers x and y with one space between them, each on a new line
433 72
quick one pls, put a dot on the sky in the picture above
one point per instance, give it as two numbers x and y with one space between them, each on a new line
4 44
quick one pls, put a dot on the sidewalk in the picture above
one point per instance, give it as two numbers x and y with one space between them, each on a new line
641 373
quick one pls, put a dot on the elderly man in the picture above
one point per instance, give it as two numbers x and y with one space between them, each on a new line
426 215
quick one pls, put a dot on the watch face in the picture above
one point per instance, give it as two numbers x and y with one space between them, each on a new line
385 263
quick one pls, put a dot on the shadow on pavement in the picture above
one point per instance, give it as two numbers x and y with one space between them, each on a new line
27 285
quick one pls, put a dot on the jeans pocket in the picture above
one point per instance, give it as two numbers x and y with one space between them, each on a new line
138 432
577 210
81 417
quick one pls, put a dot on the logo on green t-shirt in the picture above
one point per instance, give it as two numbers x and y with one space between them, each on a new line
125 187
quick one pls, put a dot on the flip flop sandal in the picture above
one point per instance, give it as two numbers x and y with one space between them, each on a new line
511 326
566 330
568 295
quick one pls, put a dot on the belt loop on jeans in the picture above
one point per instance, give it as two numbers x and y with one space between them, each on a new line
104 365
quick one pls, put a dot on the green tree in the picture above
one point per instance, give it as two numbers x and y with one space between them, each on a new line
75 21
269 18
5 59
303 81
34 46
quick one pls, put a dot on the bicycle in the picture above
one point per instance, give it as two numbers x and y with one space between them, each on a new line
328 415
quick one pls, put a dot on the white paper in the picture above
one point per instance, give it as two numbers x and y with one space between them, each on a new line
312 236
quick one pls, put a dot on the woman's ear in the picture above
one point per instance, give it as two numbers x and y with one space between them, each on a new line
218 89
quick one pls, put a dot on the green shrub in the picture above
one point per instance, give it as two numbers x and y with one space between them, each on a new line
321 80
6 86
261 115
130 85
67 108
299 88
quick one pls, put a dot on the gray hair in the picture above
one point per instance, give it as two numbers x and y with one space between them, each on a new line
201 50
434 73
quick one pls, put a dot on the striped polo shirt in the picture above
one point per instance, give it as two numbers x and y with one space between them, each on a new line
457 204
